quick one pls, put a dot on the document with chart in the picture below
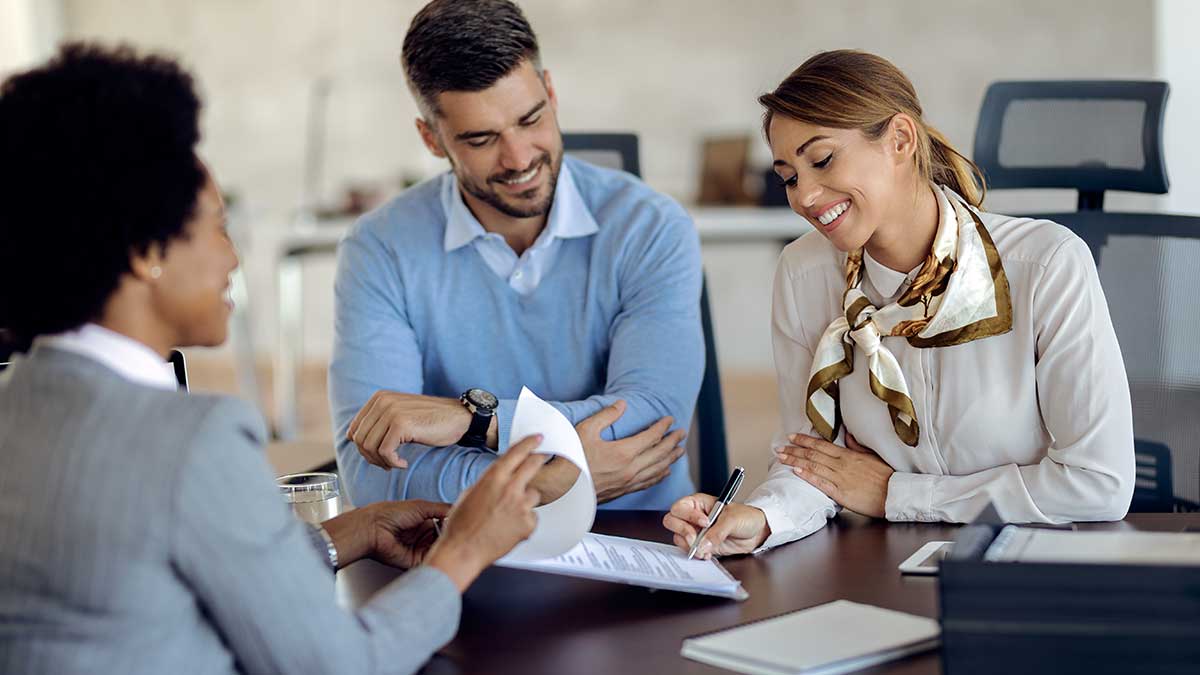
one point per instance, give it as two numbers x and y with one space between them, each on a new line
641 563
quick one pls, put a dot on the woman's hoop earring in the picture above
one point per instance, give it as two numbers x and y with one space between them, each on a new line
155 272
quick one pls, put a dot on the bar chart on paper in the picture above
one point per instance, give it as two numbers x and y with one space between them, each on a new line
641 563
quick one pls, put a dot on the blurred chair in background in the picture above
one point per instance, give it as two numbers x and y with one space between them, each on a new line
606 149
706 442
1095 136
7 348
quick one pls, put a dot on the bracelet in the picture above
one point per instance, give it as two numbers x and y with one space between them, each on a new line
331 554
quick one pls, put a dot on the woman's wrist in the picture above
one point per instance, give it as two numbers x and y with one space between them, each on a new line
456 564
352 534
763 525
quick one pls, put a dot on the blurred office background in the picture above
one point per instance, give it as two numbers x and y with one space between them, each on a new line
307 115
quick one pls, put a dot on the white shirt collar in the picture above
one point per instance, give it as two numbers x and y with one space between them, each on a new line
887 281
569 215
130 359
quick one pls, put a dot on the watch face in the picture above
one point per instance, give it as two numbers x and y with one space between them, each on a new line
482 399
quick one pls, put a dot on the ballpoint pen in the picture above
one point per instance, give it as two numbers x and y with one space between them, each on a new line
727 494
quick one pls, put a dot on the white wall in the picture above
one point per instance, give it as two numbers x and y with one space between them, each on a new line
28 31
1178 56
671 70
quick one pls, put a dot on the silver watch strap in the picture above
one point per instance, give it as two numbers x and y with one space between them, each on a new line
326 542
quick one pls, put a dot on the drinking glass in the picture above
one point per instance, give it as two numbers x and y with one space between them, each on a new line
314 496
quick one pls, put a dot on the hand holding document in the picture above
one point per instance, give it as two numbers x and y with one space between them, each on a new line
562 544
562 522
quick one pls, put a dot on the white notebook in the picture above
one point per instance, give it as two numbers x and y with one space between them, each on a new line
641 563
1027 544
838 637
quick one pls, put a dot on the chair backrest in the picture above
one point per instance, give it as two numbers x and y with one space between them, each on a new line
1104 135
609 150
180 365
1152 491
1150 279
1087 135
8 347
706 444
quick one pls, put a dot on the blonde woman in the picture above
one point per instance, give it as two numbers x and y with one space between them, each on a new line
931 357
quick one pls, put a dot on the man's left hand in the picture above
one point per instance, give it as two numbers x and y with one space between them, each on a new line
854 476
391 419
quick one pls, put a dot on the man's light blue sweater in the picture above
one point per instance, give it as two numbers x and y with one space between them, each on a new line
614 316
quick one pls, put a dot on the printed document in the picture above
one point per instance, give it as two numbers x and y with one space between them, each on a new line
641 563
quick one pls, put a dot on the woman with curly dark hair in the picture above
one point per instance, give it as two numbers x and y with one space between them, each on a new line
140 530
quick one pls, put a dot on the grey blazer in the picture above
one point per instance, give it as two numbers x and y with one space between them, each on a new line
140 532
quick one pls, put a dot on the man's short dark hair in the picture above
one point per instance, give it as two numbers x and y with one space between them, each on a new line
97 162
464 45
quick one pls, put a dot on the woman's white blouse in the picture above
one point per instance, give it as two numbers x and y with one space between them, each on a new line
1036 421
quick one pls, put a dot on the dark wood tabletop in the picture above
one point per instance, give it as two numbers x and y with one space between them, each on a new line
516 621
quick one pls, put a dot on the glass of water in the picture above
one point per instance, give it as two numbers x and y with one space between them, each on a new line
314 496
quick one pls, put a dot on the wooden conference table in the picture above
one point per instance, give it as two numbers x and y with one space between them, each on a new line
526 622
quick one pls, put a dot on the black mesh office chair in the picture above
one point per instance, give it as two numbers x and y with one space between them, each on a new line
706 443
1095 136
179 365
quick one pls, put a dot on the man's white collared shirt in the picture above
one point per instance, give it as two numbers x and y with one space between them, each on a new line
569 218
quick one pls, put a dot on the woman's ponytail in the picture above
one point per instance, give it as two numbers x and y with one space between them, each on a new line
949 167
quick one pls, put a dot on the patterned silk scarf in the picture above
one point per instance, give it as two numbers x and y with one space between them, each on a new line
959 295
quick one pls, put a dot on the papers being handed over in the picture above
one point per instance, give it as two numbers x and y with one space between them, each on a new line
641 563
562 522
561 542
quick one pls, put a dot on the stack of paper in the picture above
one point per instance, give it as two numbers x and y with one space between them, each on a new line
838 637
641 563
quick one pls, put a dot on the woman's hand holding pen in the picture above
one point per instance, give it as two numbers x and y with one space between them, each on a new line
740 529
853 476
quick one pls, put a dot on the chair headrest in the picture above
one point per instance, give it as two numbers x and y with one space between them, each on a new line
1088 135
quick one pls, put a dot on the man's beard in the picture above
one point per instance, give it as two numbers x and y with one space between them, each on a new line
489 196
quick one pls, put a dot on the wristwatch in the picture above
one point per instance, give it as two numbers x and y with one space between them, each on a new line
482 406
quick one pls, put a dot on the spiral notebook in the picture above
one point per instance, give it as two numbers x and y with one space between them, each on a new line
837 637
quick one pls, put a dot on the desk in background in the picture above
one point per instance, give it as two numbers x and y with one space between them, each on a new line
525 622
